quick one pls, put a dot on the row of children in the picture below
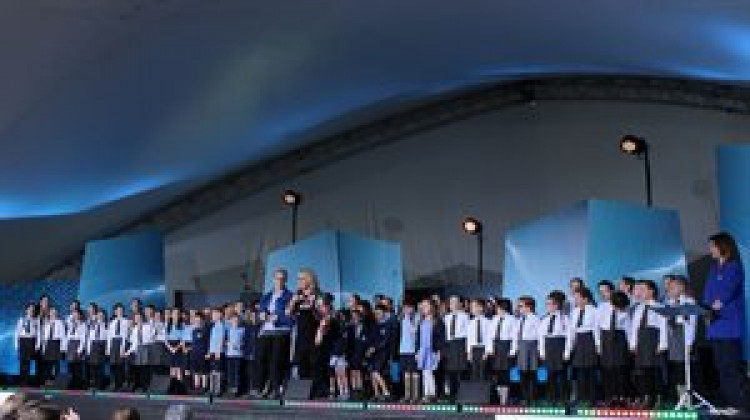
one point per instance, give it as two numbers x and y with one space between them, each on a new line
350 352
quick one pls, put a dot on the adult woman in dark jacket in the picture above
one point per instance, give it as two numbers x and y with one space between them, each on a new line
724 293
303 309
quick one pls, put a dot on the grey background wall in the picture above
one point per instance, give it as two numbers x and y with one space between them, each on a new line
506 167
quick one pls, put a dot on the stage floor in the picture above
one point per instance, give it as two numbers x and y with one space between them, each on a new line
100 406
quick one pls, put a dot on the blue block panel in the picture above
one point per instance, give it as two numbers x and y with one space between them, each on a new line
344 263
594 240
543 255
13 299
122 268
370 267
624 238
734 183
318 253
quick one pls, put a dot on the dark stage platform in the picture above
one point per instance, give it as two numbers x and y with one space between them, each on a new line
101 404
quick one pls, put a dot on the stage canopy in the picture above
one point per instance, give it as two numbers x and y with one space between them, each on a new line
110 109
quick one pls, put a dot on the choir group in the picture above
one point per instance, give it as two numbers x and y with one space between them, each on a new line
620 351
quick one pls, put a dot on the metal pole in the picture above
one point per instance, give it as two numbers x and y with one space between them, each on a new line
294 223
647 168
480 259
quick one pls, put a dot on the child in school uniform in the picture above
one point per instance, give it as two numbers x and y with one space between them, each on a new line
553 334
53 336
680 332
456 322
248 351
356 352
501 346
173 344
96 349
339 354
321 355
27 341
378 353
162 360
215 354
527 347
75 347
583 344
235 353
477 334
137 352
407 351
429 342
117 340
648 341
186 344
614 324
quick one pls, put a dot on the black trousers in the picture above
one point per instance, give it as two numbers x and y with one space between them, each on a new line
76 374
234 367
117 370
585 384
728 362
615 382
273 361
49 369
24 371
557 386
502 377
528 385
647 385
96 375
249 379
477 364
454 381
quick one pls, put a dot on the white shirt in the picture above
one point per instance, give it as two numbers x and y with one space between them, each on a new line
654 320
479 327
77 331
461 323
583 324
560 328
97 331
57 329
28 328
688 324
508 332
140 335
530 327
114 332
160 331
269 324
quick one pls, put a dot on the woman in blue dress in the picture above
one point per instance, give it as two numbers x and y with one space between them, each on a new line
430 343
724 293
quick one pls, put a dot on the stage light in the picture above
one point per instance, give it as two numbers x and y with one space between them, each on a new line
633 145
291 198
472 226
637 146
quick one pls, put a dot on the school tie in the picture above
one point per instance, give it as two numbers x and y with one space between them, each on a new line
27 327
520 328
581 314
117 327
612 318
140 334
499 332
96 333
644 318
551 327
51 331
479 331
453 327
